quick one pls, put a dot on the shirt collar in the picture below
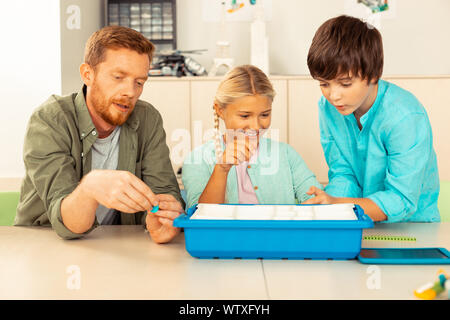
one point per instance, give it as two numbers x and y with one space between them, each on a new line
85 124
373 109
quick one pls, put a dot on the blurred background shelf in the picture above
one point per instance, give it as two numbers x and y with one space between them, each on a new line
155 19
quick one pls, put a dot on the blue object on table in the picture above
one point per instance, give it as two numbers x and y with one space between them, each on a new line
408 256
273 239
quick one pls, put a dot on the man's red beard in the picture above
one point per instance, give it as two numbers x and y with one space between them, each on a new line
103 107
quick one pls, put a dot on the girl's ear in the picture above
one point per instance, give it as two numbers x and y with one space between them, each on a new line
218 110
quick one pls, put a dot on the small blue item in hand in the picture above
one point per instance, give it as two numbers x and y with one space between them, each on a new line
155 209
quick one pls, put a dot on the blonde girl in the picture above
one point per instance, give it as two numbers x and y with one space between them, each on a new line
240 165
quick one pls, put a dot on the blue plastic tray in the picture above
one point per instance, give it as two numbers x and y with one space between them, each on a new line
273 239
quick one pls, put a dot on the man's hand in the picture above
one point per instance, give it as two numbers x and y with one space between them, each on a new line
120 190
321 197
160 224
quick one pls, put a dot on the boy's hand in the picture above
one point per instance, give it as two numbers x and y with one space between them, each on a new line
321 197
160 224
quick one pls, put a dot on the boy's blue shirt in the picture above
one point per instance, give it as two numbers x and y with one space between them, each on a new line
279 172
391 160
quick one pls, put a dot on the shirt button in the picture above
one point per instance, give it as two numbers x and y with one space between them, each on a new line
82 135
256 188
82 154
94 133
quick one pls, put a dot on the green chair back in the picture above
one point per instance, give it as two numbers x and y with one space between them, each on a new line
8 206
444 201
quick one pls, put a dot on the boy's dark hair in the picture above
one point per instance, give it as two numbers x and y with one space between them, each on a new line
346 45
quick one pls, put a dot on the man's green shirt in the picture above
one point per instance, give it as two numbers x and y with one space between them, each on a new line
57 154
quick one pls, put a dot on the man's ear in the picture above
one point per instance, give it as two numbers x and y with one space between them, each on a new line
87 74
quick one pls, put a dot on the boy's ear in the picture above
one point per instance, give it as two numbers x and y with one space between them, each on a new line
87 74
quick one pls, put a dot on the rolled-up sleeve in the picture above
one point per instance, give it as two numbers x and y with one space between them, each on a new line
51 168
409 147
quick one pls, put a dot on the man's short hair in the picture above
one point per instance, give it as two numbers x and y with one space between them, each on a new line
346 45
115 37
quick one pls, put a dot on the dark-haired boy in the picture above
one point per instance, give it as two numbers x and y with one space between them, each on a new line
376 136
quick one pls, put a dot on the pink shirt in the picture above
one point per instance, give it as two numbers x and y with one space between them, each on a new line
246 192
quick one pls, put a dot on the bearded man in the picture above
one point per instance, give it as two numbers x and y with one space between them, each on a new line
99 156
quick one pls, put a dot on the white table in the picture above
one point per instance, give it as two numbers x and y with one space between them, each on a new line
117 262
122 262
351 279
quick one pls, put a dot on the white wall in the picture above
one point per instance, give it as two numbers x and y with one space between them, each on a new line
415 40
415 43
76 28
30 67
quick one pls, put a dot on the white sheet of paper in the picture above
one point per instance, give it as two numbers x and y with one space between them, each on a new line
275 212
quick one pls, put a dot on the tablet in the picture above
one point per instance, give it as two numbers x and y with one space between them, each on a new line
404 256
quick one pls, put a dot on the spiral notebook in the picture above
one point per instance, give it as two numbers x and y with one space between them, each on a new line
378 239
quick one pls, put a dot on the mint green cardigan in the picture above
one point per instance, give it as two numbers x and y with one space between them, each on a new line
280 174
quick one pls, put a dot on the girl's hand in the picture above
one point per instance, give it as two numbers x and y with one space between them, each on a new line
321 197
239 148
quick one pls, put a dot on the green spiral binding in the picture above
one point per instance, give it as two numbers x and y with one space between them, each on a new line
389 238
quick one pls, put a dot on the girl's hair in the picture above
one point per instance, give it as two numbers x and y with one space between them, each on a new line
241 81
